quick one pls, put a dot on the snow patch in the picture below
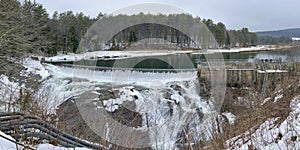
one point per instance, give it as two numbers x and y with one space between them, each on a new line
6 144
231 117
277 98
266 100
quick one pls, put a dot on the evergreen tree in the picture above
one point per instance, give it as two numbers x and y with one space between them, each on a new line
35 19
12 39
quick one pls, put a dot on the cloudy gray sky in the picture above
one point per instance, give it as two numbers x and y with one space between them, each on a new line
257 15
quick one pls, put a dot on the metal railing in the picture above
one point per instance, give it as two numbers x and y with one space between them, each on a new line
20 126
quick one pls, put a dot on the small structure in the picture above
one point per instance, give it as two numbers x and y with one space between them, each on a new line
296 39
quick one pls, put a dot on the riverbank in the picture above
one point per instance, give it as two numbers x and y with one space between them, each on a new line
255 48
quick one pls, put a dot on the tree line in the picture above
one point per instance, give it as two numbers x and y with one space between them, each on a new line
169 30
27 28
231 38
183 22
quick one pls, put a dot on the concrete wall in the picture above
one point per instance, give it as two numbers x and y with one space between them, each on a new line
249 74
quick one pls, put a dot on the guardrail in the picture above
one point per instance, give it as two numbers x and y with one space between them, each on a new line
19 126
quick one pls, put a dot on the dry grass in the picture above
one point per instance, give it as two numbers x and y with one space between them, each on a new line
252 115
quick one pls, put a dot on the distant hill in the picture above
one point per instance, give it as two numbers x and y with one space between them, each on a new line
295 32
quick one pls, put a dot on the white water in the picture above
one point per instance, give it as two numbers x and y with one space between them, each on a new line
120 76
164 129
66 82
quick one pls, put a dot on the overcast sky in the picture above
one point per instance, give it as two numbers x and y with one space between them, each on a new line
257 15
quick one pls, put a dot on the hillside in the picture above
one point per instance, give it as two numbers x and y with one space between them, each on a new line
294 32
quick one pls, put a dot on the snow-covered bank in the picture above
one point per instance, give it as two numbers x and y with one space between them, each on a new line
9 92
34 67
235 50
10 86
246 49
272 136
111 55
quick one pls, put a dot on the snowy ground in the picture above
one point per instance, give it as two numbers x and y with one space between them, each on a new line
268 135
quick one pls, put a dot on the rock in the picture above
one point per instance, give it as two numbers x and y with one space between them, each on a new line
135 97
107 94
167 94
176 88
294 138
200 114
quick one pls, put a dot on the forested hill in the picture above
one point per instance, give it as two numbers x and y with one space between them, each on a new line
278 37
28 28
295 32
